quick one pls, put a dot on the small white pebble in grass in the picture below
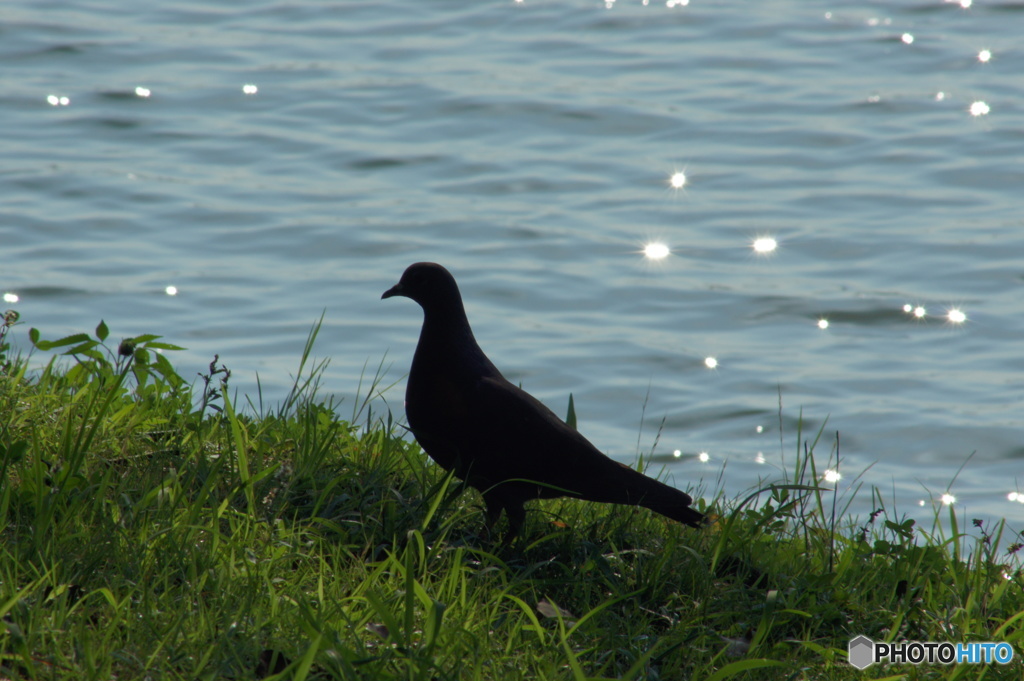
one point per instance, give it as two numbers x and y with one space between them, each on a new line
947 499
711 362
703 457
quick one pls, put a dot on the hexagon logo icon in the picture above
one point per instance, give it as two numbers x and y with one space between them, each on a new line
861 652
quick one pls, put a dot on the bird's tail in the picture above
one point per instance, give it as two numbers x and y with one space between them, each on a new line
680 512
661 498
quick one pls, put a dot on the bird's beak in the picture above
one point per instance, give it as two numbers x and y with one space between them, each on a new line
395 290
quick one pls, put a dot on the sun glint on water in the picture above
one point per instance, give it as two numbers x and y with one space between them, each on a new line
656 251
765 244
917 310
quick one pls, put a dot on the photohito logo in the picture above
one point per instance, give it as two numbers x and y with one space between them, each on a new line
863 652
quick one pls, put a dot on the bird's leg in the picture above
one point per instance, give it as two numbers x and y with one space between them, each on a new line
492 512
516 516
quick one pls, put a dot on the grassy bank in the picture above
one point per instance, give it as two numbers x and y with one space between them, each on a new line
153 529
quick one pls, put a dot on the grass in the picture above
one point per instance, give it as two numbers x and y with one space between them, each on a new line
153 530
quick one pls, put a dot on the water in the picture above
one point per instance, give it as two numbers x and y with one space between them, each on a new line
529 147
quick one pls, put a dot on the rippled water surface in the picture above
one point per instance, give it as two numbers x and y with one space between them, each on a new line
275 160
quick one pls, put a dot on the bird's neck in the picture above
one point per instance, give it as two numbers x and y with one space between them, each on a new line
447 339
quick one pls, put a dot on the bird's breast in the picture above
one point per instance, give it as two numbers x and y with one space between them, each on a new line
436 400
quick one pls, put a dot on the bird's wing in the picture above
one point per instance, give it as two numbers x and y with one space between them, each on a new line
519 437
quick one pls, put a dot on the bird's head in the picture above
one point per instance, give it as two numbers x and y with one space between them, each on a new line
429 284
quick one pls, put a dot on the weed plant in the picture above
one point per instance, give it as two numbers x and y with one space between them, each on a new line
152 530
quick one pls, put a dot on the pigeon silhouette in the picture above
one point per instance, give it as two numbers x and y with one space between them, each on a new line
495 436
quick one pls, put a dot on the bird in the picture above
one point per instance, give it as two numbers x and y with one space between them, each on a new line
496 437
